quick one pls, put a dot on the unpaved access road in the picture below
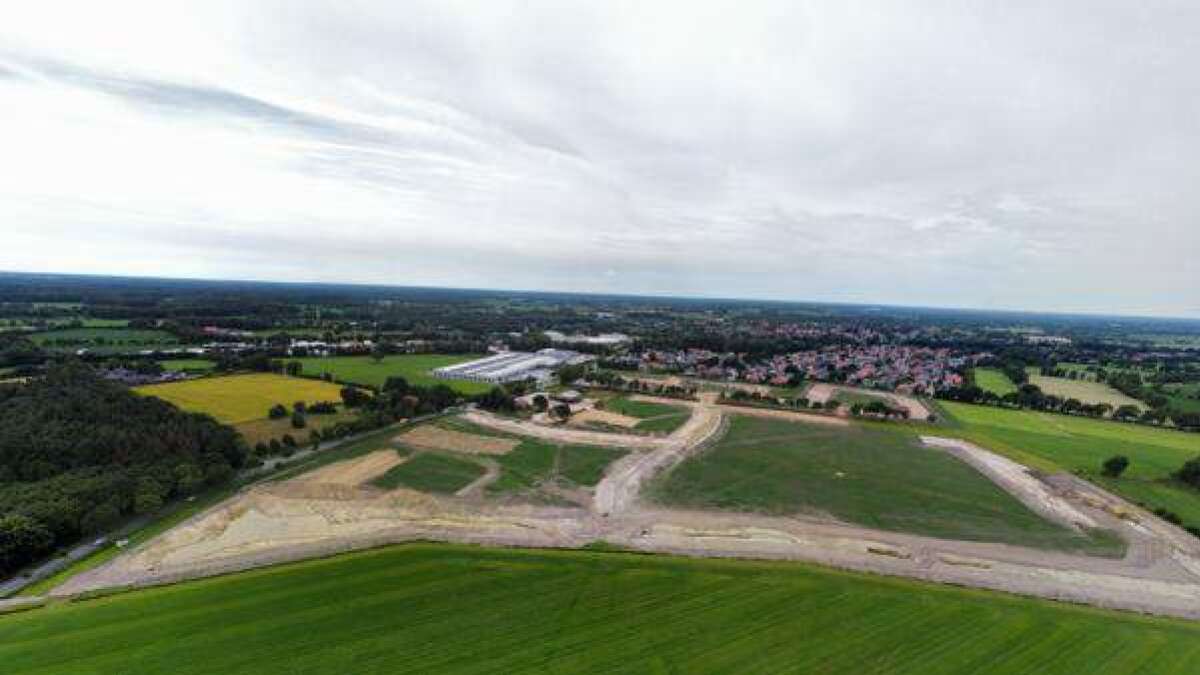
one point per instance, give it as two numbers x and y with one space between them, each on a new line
300 518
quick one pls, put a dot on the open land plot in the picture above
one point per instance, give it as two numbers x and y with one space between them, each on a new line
445 608
431 472
1083 390
994 381
869 475
241 398
528 464
653 416
412 367
822 392
1052 443
434 437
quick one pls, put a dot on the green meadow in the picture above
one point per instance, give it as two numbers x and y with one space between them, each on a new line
426 608
415 368
1051 442
876 475
995 381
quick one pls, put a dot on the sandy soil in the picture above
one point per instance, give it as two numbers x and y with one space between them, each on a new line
807 418
560 434
324 512
353 472
429 437
604 417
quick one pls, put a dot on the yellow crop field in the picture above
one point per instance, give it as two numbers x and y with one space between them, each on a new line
241 398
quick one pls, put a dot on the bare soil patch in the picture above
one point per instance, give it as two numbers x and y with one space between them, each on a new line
352 472
430 437
604 417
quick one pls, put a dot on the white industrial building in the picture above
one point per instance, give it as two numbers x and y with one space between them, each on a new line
514 366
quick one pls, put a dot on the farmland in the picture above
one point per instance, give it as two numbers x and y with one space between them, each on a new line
184 365
104 340
1082 390
415 368
241 398
995 381
431 472
870 475
439 608
1052 443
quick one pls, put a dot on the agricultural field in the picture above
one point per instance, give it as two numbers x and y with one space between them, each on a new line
1083 390
188 365
995 381
242 398
263 430
415 368
447 609
1052 443
655 417
104 340
874 475
431 472
1183 397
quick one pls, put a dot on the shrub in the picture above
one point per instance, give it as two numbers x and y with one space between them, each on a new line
1190 473
277 411
1115 466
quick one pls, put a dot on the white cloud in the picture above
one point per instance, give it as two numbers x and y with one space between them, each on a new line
1036 157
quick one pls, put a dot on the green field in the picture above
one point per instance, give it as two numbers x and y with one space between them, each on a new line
179 365
1053 443
104 340
995 381
872 475
413 367
241 398
427 608
431 472
1083 390
535 462
656 417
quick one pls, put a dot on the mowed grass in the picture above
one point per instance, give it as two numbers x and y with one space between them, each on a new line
412 367
1053 443
873 475
995 381
655 417
181 365
431 472
240 398
1083 390
428 608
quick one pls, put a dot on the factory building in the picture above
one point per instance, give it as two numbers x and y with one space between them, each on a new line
514 366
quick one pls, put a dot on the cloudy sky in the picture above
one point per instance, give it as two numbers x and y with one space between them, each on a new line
1038 155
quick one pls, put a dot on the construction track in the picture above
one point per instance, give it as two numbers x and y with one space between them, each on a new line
319 513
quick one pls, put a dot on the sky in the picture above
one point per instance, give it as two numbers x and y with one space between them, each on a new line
1018 155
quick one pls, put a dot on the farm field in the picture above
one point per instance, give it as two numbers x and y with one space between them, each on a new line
413 367
1052 443
263 430
872 475
995 381
104 340
241 398
655 417
443 608
1083 390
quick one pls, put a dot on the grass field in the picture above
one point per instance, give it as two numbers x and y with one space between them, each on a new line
104 340
1052 443
995 381
871 475
431 472
536 462
655 417
413 367
428 608
241 398
1083 390
187 364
